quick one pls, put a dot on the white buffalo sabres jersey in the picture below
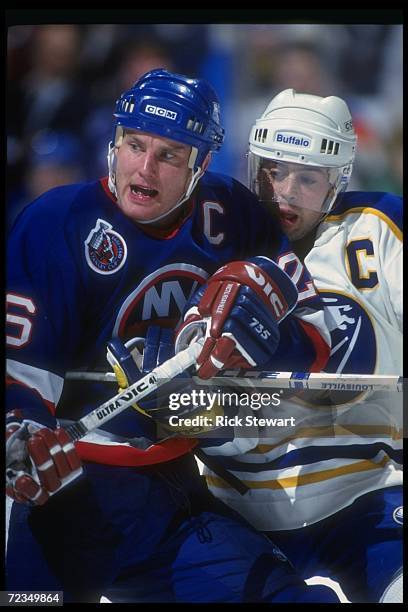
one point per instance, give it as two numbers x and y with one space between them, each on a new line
345 445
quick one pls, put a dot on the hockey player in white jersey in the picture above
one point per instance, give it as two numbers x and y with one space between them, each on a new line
330 489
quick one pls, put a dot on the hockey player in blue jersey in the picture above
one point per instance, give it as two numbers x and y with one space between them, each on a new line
109 258
330 492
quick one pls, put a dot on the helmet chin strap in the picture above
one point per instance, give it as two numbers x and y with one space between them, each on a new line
112 168
195 176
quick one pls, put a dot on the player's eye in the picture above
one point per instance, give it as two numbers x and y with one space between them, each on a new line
275 174
310 180
135 146
307 180
168 155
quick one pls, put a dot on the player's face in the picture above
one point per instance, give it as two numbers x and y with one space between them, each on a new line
299 192
151 175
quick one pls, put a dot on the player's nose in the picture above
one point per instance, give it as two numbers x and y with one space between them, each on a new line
288 191
148 166
287 204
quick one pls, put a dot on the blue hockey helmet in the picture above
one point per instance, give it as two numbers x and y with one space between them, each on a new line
173 106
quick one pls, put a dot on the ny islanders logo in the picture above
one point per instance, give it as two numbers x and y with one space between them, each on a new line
159 299
105 249
352 334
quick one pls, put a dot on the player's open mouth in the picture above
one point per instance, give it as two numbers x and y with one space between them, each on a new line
143 192
288 219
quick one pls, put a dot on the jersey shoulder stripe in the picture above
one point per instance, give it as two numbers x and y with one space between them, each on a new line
307 477
386 206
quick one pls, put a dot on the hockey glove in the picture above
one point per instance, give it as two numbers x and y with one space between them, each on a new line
39 461
158 347
240 308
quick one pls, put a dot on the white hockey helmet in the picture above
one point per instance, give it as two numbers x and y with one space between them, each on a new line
304 129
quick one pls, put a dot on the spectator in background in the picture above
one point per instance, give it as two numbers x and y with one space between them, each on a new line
48 65
323 60
386 156
18 41
54 159
140 57
44 93
299 66
361 53
52 96
395 157
132 60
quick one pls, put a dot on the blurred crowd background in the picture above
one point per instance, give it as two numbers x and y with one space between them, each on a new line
63 80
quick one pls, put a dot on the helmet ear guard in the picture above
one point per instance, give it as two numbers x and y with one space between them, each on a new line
309 130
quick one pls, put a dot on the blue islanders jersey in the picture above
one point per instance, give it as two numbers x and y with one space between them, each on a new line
81 272
343 446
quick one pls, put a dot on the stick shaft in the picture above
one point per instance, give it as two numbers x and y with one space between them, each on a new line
285 380
134 393
305 380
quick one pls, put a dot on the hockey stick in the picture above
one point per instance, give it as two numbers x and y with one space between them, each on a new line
282 380
306 380
134 393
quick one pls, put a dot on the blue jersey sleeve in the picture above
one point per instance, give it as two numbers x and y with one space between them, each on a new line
44 303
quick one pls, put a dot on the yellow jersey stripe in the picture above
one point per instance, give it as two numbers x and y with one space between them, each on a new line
367 210
303 479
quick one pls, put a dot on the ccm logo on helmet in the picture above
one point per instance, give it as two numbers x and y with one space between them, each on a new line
260 280
293 140
162 112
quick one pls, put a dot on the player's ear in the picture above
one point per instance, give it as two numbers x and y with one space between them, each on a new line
206 162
